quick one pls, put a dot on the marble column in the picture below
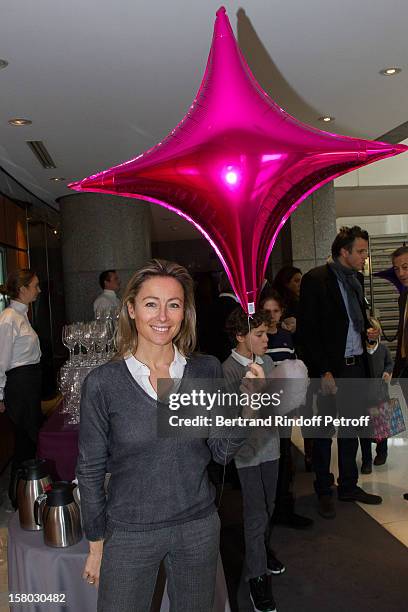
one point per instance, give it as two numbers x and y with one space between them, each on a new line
313 229
100 232
305 240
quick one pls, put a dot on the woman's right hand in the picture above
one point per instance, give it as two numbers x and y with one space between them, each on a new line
93 563
2 407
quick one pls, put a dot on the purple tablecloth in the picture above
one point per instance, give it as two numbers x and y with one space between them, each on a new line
58 443
38 569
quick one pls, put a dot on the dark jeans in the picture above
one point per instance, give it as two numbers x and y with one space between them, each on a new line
346 447
258 484
366 454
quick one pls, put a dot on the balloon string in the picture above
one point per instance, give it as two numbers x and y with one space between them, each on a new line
253 357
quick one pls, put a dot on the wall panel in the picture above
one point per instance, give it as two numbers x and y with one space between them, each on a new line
2 220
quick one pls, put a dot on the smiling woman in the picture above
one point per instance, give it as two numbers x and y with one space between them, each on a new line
159 296
160 505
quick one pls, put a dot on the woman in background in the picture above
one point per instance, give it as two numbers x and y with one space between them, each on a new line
20 370
287 284
281 348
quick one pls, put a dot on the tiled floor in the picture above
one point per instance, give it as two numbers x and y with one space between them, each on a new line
390 480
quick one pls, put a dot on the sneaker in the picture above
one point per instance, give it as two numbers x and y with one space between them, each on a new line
274 565
359 495
367 467
293 520
260 589
380 459
326 507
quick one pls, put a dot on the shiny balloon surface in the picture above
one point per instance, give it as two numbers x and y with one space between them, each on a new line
237 165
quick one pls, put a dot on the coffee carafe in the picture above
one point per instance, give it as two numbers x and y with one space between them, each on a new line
58 513
31 480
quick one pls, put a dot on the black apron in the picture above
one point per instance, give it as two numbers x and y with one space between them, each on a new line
22 398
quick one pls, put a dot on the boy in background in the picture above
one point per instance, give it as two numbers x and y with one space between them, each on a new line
257 461
381 366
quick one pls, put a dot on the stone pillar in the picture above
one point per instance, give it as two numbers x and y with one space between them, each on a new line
313 229
305 240
100 232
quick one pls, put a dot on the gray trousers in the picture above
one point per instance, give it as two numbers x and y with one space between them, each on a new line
258 486
131 561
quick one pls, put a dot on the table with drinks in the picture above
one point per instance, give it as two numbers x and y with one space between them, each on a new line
46 549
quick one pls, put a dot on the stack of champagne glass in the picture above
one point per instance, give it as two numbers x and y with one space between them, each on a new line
90 344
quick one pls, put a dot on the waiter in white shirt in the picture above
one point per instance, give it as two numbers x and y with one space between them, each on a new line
108 300
20 370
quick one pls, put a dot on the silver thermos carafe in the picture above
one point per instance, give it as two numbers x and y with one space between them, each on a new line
32 479
58 513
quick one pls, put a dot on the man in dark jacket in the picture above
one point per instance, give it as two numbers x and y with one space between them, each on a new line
400 263
334 329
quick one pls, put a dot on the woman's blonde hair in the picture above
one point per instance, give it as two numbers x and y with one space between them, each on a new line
126 335
17 279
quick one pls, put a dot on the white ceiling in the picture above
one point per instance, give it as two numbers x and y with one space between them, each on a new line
103 80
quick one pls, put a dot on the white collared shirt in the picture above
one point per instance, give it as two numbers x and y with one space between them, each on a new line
107 300
19 344
141 373
245 361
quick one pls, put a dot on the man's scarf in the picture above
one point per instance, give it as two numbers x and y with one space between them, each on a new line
355 296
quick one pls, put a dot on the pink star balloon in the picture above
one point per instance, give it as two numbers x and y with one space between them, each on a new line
237 165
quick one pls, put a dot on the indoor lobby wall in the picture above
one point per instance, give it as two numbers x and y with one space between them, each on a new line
13 233
377 225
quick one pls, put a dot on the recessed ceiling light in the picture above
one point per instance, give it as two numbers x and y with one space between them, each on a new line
326 119
391 71
57 179
3 63
19 122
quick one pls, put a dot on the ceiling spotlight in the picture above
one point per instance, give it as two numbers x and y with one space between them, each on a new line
55 232
326 119
390 71
57 179
19 122
3 63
